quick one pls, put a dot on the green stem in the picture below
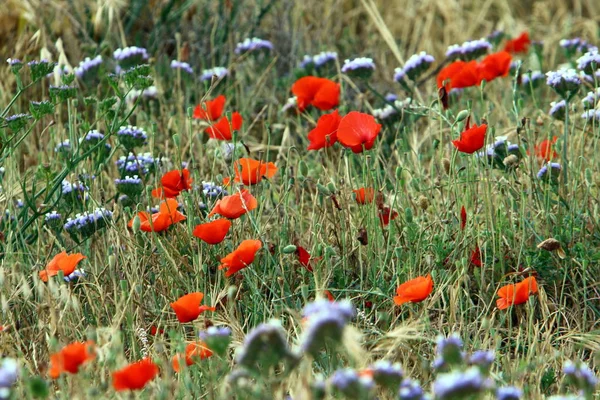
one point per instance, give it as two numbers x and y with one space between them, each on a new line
566 144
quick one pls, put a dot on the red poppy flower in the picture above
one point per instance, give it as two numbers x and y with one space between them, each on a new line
305 258
210 110
494 66
545 150
250 172
212 232
414 291
325 133
135 376
154 331
364 195
61 262
188 308
358 131
193 352
222 129
70 358
318 92
241 257
329 296
476 257
463 217
166 216
235 205
458 75
386 214
471 139
173 183
518 45
517 293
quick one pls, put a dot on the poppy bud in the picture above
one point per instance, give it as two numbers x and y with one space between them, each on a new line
398 172
302 168
331 187
176 139
323 190
112 260
190 112
539 121
408 215
289 249
136 224
462 115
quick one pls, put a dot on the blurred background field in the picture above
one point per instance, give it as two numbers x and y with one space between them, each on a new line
133 277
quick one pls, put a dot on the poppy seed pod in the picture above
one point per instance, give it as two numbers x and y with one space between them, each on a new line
176 139
331 187
323 190
302 168
289 249
462 115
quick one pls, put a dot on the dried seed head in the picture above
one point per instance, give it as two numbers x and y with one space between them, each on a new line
363 238
550 244
446 164
511 161
423 203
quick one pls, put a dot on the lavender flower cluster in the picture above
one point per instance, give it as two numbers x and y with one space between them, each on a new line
558 110
532 79
89 66
9 373
574 45
218 72
325 324
132 136
265 346
253 45
217 338
180 65
141 164
130 185
130 57
86 224
565 82
63 147
589 63
361 67
53 220
414 67
591 99
391 113
549 172
469 50
501 154
591 115
319 60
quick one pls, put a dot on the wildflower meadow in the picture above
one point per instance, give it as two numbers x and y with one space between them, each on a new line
280 199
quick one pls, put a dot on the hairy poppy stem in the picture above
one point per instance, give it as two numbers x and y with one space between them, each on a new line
566 143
